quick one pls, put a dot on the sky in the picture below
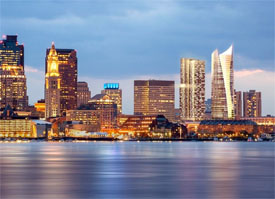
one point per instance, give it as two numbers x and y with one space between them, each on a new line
121 41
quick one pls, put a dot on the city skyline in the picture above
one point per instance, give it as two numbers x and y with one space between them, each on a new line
148 59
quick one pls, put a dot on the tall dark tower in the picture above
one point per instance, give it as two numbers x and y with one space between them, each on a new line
67 65
13 89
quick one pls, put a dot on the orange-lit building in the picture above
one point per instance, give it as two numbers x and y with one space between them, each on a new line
149 126
227 127
65 61
265 124
52 84
154 97
252 104
17 126
107 110
112 89
135 125
13 88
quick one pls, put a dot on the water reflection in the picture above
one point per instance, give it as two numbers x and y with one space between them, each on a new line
137 170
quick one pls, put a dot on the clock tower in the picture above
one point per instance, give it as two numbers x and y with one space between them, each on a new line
52 85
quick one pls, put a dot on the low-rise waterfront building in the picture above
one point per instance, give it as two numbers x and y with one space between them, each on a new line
221 128
13 125
265 124
149 126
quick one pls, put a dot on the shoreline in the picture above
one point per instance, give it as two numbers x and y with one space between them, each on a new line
71 139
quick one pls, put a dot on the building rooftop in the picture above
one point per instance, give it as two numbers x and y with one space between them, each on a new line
98 96
227 122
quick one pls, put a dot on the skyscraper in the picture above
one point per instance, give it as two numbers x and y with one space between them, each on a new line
13 89
83 93
238 104
252 104
52 84
192 89
222 94
154 97
67 66
112 89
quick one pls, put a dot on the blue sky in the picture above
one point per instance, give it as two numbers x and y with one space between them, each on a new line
125 40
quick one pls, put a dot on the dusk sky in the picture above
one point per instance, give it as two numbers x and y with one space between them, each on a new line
120 41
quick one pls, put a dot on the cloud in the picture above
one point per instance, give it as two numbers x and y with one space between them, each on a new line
30 69
245 73
62 20
242 61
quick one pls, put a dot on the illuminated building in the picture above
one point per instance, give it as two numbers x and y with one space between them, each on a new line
67 68
13 89
13 125
154 126
238 104
83 93
192 89
222 94
40 106
52 85
265 124
112 89
227 127
106 108
84 116
162 128
135 125
154 97
252 104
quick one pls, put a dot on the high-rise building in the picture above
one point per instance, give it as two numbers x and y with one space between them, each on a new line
67 66
13 89
83 93
112 89
238 104
52 85
222 94
252 104
192 89
106 108
153 97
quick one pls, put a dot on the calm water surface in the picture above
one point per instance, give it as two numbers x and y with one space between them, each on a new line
137 170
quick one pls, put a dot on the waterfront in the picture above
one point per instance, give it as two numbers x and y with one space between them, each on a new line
137 170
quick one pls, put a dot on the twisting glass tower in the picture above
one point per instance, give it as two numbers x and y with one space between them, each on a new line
222 84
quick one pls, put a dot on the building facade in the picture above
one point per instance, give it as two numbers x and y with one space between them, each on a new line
222 91
67 68
13 89
83 93
154 97
52 85
192 89
106 109
238 104
252 104
13 125
112 89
